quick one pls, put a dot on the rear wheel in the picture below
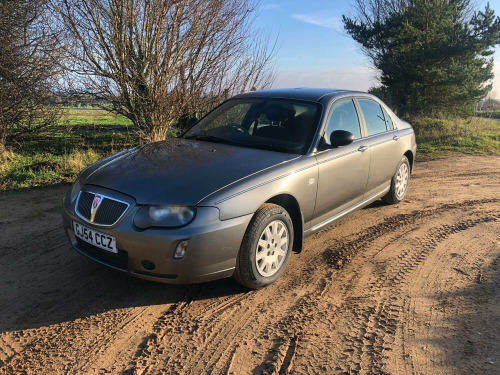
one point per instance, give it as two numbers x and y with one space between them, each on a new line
399 183
266 247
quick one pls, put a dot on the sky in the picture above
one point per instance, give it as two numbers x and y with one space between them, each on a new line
315 51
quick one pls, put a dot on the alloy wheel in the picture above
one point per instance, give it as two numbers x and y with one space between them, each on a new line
402 179
272 248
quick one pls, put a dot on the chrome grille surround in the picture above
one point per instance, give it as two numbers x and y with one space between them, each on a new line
108 212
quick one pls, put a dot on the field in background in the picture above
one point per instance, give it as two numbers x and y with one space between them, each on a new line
91 116
84 135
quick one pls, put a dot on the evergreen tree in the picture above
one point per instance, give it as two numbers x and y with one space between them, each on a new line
434 56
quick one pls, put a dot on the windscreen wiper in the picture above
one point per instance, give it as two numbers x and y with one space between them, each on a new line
264 146
210 138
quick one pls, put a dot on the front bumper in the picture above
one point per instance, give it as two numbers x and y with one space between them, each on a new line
211 253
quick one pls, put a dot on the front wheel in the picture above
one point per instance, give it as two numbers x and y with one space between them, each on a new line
266 247
399 183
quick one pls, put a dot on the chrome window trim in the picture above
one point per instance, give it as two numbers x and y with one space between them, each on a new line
323 121
330 113
103 196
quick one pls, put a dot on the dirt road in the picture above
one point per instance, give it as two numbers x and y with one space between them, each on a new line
406 289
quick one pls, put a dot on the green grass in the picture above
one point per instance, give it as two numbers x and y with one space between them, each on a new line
92 117
82 137
20 170
469 136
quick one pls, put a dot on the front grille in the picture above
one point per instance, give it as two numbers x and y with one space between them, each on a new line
119 260
85 204
108 212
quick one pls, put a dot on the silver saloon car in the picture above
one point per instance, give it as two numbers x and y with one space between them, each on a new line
238 192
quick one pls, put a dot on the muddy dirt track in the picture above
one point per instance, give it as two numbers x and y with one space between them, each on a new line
406 289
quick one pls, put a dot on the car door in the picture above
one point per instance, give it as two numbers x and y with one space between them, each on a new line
383 143
342 171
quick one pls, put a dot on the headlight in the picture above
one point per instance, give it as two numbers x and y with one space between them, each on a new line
75 189
164 216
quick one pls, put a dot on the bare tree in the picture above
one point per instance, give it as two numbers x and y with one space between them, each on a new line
29 68
156 61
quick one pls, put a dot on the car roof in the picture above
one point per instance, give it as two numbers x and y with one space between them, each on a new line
299 93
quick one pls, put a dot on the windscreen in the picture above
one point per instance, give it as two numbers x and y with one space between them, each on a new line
275 124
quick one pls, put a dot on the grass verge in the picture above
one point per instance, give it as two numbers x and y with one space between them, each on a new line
18 171
436 136
83 136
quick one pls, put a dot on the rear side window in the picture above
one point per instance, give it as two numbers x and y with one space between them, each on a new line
343 117
388 119
374 117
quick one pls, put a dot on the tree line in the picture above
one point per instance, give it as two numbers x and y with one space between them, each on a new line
158 62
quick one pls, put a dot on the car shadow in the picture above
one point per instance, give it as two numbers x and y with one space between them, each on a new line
60 285
377 204
44 281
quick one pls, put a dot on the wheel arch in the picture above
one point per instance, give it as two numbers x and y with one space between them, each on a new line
409 156
289 203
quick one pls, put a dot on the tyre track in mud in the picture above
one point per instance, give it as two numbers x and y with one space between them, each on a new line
215 344
213 329
366 345
181 319
379 325
48 345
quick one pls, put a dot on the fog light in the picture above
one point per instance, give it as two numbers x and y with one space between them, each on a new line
148 265
180 250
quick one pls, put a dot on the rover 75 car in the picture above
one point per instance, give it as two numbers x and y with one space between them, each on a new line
239 191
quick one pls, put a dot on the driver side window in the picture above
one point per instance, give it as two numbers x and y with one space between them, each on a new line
343 117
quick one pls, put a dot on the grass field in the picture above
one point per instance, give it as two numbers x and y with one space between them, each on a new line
84 135
90 116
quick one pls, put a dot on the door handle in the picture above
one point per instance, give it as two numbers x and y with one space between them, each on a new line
363 148
396 137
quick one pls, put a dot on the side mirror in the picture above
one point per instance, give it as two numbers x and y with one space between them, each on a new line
192 121
341 138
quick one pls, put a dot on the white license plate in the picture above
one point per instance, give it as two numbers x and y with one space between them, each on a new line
101 240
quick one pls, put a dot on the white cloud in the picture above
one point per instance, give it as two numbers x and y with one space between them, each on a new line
353 78
322 18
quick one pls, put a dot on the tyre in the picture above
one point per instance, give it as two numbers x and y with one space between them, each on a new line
266 247
399 183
